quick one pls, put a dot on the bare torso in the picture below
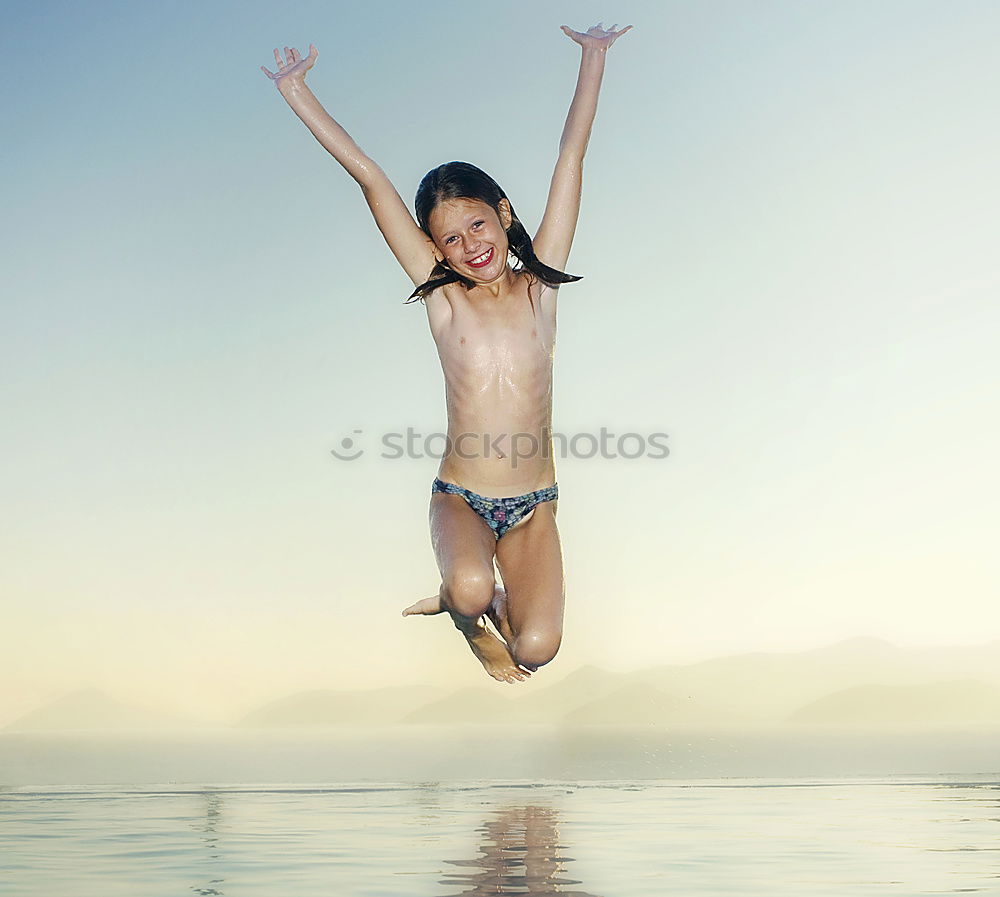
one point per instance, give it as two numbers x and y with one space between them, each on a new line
496 354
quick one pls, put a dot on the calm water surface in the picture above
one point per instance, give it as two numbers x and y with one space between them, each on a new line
701 837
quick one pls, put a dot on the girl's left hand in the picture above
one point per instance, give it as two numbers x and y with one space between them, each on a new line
595 37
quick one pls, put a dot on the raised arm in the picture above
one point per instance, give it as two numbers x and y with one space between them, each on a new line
555 234
411 246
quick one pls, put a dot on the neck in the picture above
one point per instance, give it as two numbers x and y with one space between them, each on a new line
496 289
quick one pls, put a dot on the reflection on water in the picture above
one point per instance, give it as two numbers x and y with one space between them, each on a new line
520 853
745 838
208 828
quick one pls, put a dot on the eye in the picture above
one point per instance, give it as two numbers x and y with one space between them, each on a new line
449 240
478 223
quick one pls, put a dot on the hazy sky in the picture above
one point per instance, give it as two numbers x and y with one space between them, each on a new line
789 248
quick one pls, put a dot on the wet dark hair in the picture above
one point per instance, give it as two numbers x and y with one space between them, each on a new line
460 180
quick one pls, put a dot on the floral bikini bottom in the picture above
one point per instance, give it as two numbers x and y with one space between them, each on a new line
500 513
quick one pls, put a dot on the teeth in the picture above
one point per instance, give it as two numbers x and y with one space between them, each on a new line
480 258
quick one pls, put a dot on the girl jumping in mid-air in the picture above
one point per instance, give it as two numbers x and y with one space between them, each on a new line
495 495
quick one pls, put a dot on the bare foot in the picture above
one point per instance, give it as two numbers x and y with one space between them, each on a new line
494 656
430 605
497 612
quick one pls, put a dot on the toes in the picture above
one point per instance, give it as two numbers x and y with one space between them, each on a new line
431 605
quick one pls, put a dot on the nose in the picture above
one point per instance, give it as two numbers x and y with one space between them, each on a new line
469 242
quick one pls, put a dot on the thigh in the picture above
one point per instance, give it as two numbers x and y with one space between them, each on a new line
463 542
529 557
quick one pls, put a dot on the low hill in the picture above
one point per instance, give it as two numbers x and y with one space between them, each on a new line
328 707
961 701
90 709
641 705
468 705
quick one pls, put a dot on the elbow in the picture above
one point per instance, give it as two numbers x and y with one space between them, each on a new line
571 157
368 174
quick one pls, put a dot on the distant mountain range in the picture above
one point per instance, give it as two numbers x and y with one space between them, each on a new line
964 701
340 708
857 682
91 709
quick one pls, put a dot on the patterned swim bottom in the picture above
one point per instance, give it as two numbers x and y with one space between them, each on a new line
500 513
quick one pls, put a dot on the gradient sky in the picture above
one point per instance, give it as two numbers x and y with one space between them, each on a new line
789 247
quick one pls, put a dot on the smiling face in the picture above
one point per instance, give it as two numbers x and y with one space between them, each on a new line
471 237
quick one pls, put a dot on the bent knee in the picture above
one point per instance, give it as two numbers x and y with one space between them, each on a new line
470 592
534 648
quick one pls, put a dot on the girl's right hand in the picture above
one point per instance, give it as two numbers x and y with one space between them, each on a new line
294 68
